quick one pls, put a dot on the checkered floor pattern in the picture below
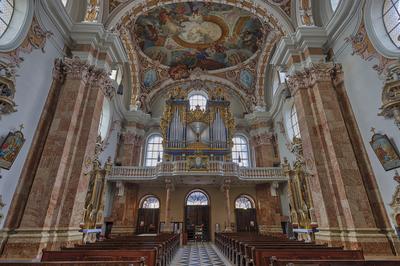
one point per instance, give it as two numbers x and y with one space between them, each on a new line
198 254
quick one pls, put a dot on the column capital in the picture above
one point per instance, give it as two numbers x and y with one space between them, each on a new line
309 76
131 137
76 69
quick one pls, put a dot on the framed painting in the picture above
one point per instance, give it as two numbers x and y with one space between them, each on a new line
385 151
10 148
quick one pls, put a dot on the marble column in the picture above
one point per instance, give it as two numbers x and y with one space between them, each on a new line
268 207
226 189
168 189
342 206
55 204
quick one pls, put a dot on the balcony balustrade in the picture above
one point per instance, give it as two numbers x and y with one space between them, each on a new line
181 168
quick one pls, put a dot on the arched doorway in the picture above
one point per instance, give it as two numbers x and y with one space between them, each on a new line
148 215
197 215
245 212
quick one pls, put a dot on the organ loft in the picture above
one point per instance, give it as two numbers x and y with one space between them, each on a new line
218 132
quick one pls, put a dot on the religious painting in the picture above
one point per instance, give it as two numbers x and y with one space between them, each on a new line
150 78
201 35
385 151
246 78
10 148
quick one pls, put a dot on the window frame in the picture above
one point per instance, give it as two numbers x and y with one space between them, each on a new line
147 150
241 136
193 107
145 198
249 198
197 191
7 24
396 7
294 126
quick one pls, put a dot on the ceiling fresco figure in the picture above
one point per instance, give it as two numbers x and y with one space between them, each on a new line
198 35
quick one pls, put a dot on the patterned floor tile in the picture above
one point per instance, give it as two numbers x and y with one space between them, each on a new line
198 254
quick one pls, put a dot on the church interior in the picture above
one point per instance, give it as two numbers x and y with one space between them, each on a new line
207 132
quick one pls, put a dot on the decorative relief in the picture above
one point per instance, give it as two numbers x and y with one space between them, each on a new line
113 4
391 96
131 138
285 5
305 11
363 47
36 39
263 138
395 203
7 88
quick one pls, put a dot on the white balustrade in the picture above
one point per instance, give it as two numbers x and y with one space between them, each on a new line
214 168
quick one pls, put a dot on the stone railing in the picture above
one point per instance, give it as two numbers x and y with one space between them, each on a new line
181 168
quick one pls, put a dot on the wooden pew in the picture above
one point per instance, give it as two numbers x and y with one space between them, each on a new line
150 251
257 250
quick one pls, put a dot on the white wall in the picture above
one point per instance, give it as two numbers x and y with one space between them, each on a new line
34 77
364 89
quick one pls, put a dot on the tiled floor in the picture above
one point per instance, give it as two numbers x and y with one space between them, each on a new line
199 254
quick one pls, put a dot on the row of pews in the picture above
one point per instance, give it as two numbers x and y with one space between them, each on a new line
257 250
129 250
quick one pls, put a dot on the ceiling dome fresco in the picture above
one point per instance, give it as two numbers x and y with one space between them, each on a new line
193 34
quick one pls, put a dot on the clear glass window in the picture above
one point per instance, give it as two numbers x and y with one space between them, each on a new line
150 202
105 117
6 13
294 123
64 2
240 151
391 19
243 202
197 100
334 4
154 150
197 198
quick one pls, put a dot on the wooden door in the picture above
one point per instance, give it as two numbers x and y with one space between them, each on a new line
246 220
148 220
196 216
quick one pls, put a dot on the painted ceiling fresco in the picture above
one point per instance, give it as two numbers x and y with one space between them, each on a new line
198 35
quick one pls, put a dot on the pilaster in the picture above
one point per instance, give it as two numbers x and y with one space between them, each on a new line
343 209
268 207
55 205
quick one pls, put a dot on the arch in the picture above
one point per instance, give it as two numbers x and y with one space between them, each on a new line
154 149
244 202
149 202
228 86
18 26
197 197
240 150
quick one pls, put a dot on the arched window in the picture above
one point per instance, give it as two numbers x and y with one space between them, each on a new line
105 118
294 123
6 13
240 151
244 202
154 150
391 19
334 4
197 198
197 100
150 202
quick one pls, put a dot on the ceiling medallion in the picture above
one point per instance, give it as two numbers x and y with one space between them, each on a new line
190 35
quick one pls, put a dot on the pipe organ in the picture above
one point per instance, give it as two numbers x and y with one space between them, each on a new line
197 135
